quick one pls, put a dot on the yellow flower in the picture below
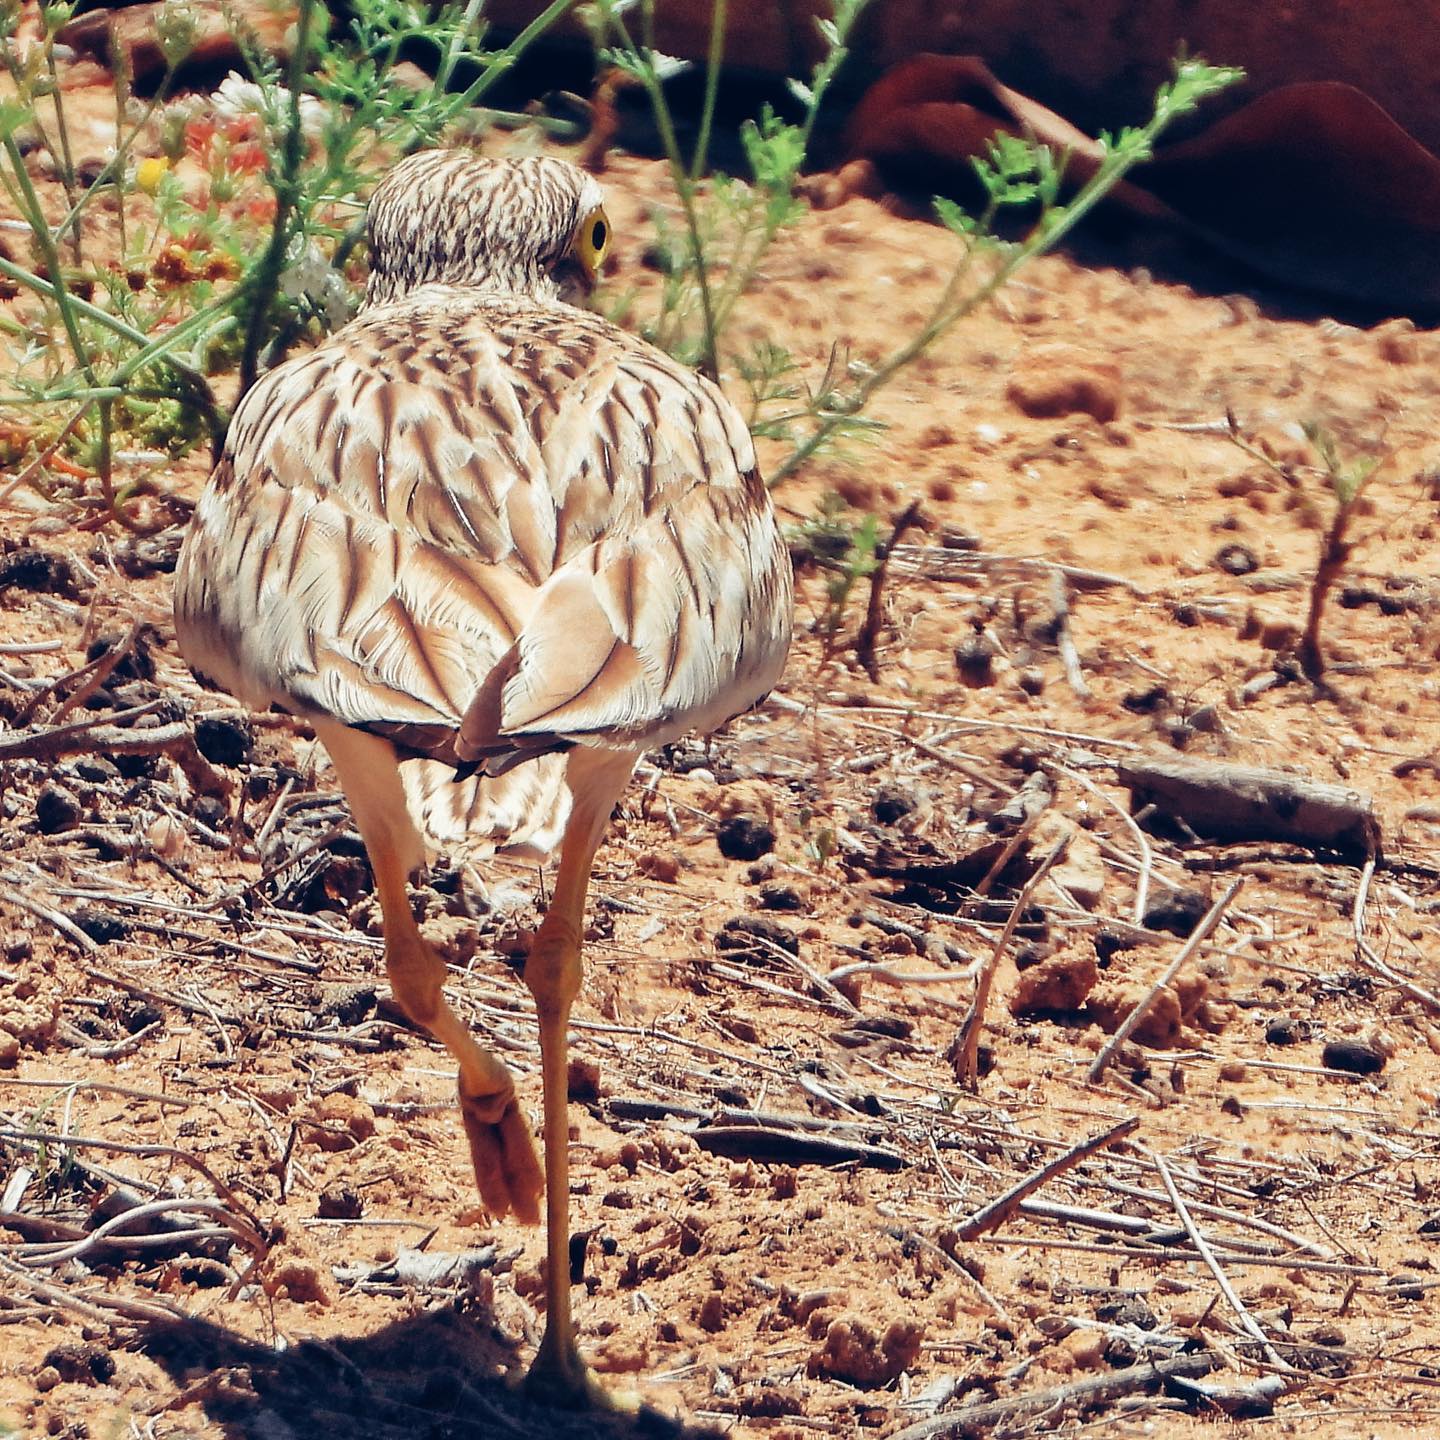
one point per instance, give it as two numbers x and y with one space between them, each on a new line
150 172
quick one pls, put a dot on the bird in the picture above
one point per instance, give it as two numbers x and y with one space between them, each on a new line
493 548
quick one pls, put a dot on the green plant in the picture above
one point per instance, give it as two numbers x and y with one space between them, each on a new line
1347 480
1014 174
216 275
729 225
847 552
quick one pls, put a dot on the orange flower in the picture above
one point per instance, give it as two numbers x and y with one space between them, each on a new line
247 158
198 135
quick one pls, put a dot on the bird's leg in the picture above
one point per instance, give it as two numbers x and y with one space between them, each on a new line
596 779
502 1150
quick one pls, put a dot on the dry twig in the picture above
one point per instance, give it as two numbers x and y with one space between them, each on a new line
1196 938
964 1052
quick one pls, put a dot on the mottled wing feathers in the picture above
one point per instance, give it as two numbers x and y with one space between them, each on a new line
485 527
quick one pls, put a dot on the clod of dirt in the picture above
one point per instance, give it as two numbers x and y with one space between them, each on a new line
776 895
1049 381
345 1004
1353 1055
893 802
1178 911
1236 559
136 663
853 1352
1147 701
302 1279
661 865
138 1014
225 739
745 837
1056 985
975 661
340 1202
1111 1003
582 1080
27 568
342 1122
57 809
739 934
1287 1030
101 926
83 1364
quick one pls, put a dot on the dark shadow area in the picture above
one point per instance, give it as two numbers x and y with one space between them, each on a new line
437 1376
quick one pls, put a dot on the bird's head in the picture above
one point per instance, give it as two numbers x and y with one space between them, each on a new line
534 226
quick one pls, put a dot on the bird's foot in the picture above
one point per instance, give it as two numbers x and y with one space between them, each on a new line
507 1169
561 1379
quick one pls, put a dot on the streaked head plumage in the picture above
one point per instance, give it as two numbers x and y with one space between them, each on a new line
457 218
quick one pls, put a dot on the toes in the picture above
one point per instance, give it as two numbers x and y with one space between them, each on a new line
523 1174
490 1174
507 1169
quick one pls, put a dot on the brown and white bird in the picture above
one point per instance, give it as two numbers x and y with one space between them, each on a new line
480 530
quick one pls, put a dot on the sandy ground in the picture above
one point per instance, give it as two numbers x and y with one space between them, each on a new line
228 1011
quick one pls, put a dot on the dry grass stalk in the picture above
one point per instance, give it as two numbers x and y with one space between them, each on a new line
964 1052
998 1211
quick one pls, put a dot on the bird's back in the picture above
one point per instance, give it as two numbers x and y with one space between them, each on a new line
487 527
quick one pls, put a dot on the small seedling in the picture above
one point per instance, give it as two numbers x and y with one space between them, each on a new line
1348 479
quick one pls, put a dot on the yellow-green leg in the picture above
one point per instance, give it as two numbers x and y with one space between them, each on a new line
502 1150
553 971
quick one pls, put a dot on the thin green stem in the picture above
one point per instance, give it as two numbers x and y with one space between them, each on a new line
287 193
35 216
67 167
709 361
713 60
114 171
502 60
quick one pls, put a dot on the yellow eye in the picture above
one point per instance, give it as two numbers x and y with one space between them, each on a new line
592 242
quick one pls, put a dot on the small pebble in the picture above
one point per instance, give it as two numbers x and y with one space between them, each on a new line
56 809
224 739
1353 1056
744 837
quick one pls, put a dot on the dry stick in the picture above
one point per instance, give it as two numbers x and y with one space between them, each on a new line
119 1147
1021 835
1142 841
1198 936
999 1210
92 675
101 1308
1173 1255
869 636
1365 952
1002 1415
1064 639
931 1248
929 562
52 917
44 457
1198 1240
231 1224
964 1053
85 737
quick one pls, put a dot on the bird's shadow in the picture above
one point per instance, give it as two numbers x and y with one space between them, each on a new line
440 1375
